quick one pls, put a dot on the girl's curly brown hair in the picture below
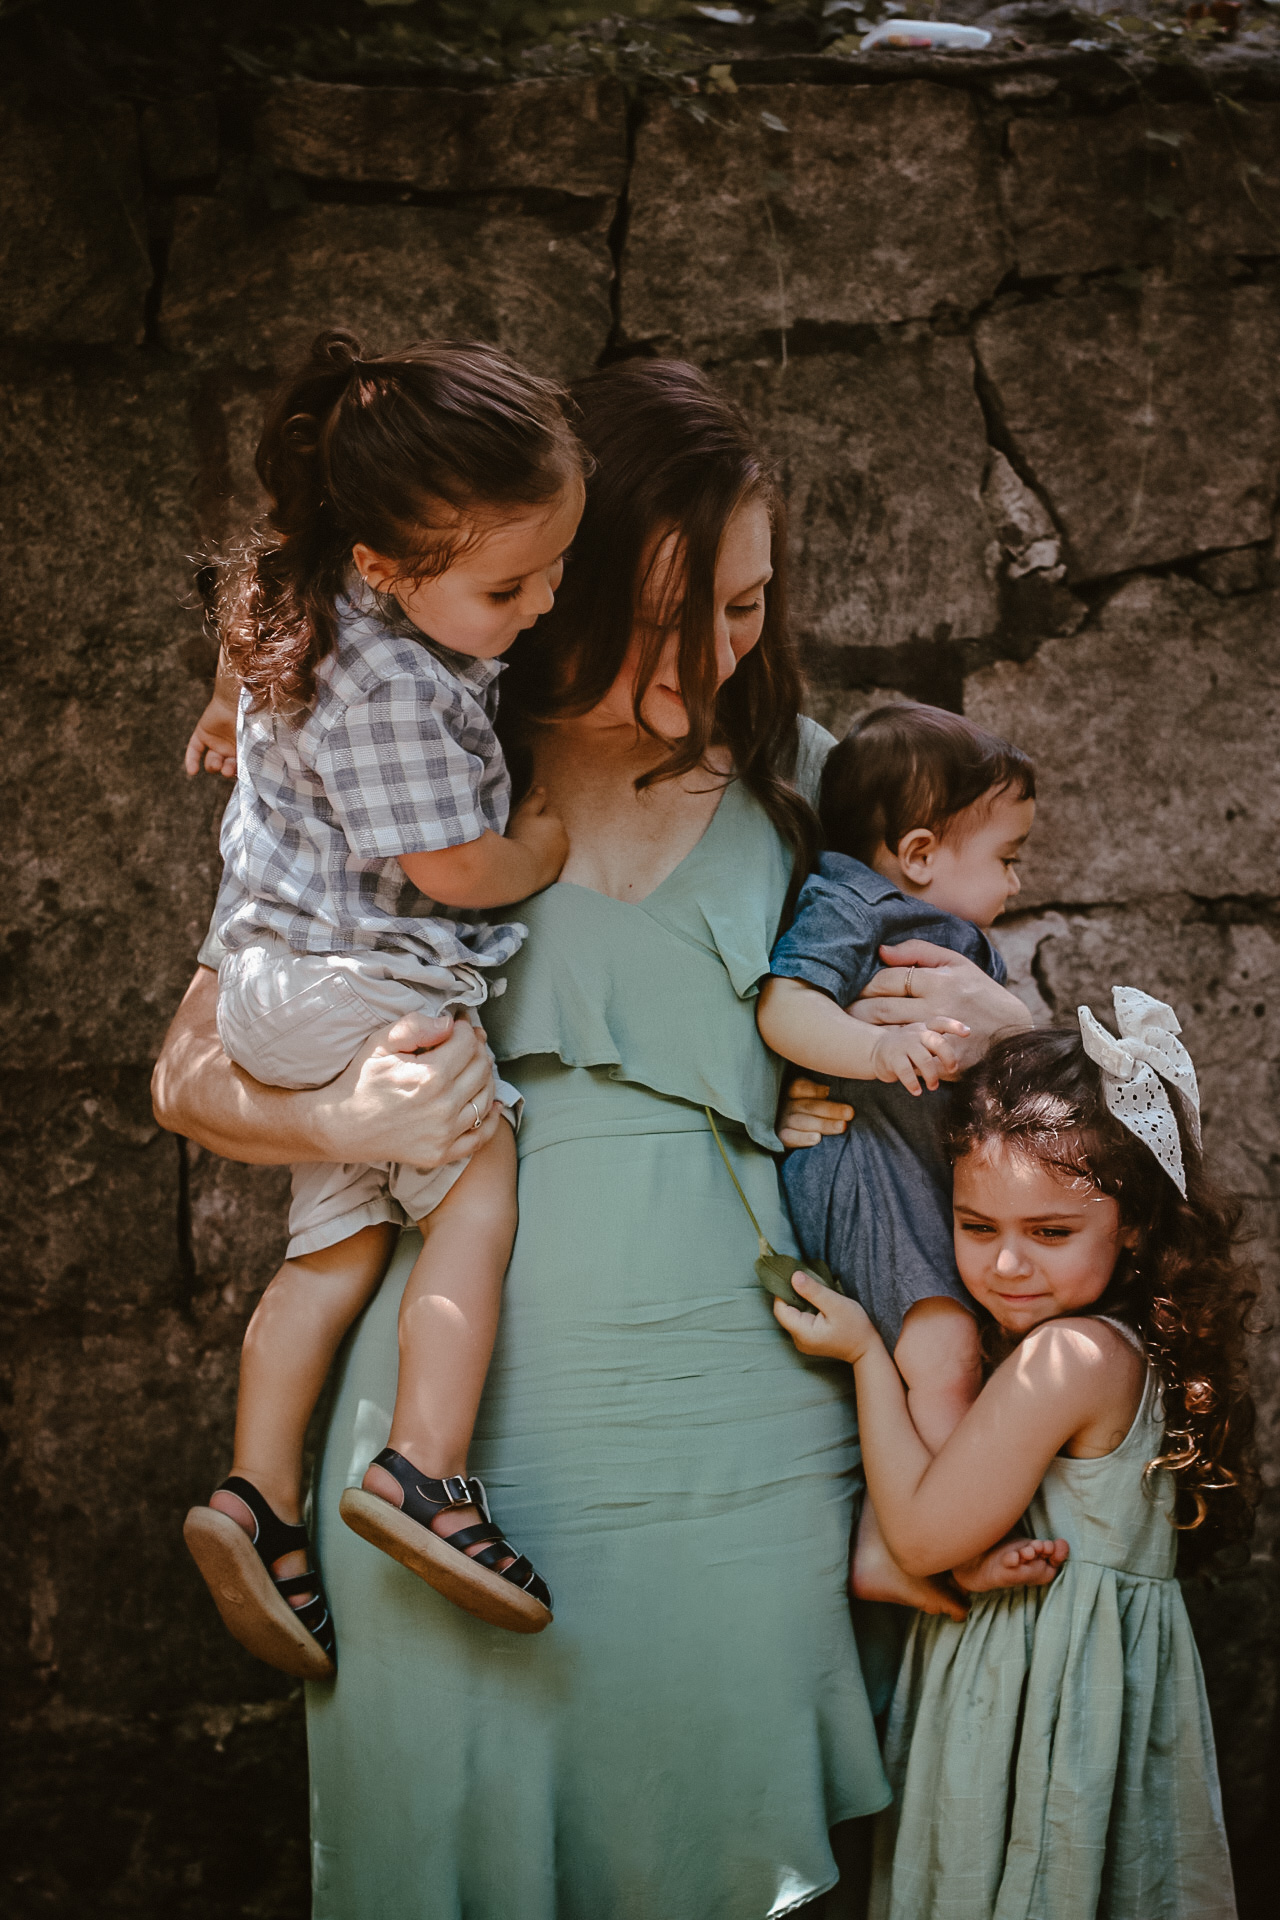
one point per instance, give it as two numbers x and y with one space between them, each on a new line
1184 1288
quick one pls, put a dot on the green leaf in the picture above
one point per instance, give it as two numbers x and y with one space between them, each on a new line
774 1271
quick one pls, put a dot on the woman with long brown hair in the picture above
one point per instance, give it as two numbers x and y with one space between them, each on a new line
679 1744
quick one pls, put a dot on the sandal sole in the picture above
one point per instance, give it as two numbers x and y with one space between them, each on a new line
252 1611
476 1589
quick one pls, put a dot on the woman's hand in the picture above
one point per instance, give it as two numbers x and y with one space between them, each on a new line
837 1329
922 982
805 1113
407 1095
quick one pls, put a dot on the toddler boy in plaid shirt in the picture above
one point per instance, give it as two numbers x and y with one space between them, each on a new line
365 844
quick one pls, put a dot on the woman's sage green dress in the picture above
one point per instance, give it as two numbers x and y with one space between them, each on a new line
1052 1756
676 1745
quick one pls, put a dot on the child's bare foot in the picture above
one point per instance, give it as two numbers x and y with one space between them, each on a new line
1014 1563
876 1575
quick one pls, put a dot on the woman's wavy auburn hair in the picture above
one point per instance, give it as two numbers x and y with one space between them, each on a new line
1184 1288
668 454
404 452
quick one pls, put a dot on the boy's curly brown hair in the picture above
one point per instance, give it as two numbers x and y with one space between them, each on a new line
1185 1288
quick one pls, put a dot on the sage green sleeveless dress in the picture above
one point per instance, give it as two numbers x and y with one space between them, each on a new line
676 1745
1052 1757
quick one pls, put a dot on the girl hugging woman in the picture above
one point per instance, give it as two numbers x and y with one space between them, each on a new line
1051 1754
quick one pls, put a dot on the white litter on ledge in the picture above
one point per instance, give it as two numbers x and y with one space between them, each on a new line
943 34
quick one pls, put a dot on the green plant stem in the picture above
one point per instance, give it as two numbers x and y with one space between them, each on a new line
764 1244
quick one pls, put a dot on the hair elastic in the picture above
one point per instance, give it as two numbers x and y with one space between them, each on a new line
1135 1067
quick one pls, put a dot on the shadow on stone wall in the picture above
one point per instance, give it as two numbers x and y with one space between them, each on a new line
1012 342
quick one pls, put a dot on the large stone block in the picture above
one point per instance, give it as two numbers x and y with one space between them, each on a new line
809 204
566 136
1149 183
113 851
881 457
1143 417
254 292
75 264
1154 734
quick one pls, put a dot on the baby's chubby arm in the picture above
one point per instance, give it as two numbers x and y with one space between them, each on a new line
495 871
805 1026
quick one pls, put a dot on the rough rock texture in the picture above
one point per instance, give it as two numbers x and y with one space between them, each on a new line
566 138
74 258
1148 184
951 540
1156 436
252 291
180 139
1137 722
862 204
881 458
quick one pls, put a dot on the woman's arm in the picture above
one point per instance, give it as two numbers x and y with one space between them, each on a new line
805 1113
406 1096
922 982
938 1511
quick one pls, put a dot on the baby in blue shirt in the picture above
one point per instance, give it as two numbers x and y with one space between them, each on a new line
924 817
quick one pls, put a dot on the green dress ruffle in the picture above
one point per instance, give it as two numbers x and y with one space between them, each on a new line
677 1744
1052 1757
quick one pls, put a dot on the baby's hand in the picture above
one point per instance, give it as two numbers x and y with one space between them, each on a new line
923 1051
214 739
541 832
838 1329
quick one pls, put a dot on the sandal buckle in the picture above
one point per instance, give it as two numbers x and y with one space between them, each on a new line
457 1489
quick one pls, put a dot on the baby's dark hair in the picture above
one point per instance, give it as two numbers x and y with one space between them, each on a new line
911 766
1184 1289
397 451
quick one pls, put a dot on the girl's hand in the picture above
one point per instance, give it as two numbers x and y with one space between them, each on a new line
838 1329
943 985
214 741
805 1113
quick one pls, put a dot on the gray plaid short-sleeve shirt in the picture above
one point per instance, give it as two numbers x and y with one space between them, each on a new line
397 754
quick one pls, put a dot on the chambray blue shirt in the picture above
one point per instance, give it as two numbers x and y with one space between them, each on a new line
396 754
875 1203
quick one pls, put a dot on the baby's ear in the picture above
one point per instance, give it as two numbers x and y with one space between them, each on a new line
916 851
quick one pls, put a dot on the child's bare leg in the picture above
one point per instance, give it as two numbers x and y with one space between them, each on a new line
289 1347
939 1357
448 1321
876 1575
940 1360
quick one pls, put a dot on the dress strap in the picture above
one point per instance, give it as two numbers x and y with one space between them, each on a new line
1135 1340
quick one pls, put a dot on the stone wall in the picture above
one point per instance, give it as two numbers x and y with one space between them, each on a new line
1010 331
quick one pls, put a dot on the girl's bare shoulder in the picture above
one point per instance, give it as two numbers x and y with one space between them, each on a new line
1076 1350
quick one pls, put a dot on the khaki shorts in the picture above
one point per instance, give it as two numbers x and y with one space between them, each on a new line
296 1020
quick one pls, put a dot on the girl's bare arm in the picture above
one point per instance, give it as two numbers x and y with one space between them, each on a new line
1067 1379
406 1096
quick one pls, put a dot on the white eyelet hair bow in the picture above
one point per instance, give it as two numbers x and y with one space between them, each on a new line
1135 1068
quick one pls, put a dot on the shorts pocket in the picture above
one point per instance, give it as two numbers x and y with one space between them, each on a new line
303 1039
